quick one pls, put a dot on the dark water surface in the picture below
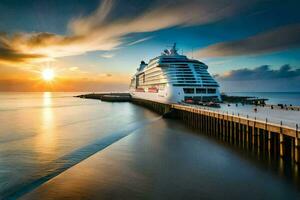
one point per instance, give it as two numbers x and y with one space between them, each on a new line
54 146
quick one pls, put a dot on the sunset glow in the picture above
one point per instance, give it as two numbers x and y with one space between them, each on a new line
96 46
48 74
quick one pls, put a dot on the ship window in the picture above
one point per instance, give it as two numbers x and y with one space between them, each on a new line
211 91
200 90
189 90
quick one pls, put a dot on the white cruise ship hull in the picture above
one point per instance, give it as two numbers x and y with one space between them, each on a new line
174 95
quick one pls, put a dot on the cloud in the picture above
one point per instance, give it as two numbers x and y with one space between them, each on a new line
10 55
102 31
260 73
73 69
282 38
107 55
139 41
105 75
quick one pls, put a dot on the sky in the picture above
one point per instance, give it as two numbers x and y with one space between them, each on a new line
92 45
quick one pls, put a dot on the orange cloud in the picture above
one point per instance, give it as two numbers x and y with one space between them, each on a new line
96 32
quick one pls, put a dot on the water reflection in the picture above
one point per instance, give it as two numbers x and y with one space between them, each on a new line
165 160
45 142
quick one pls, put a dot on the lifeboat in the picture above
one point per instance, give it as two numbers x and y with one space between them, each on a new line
139 90
153 90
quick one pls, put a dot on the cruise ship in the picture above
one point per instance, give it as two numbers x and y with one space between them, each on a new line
174 78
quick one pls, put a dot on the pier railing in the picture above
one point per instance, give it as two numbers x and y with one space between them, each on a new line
293 124
239 118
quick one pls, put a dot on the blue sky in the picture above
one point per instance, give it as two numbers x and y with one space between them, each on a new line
106 40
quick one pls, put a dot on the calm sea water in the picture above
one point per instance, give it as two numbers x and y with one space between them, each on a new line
121 150
274 97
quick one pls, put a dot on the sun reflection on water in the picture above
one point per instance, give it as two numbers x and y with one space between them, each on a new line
46 141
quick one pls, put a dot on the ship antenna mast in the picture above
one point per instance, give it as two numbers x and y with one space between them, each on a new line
193 52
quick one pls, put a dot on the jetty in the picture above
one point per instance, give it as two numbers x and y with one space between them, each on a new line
275 138
244 99
110 97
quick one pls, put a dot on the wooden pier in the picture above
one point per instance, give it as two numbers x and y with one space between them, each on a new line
276 139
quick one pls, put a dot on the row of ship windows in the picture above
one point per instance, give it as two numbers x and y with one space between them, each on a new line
207 80
180 66
195 85
155 75
188 71
179 83
154 70
157 79
179 79
176 81
189 75
199 90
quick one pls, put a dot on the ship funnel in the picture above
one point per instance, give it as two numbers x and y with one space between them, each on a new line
142 65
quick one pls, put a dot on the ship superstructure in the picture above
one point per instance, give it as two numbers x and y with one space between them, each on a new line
174 78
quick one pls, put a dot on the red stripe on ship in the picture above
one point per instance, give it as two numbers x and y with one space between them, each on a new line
139 90
153 90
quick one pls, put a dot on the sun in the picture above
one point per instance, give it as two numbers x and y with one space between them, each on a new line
48 74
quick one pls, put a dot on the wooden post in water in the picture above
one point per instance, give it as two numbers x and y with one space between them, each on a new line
210 125
253 133
219 126
224 128
258 139
202 121
239 130
296 154
233 130
247 132
268 137
281 141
